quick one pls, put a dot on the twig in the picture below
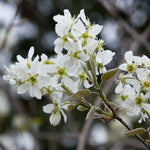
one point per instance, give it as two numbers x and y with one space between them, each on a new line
117 117
137 136
10 26
85 130
113 12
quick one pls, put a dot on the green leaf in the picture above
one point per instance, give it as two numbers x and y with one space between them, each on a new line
135 131
79 95
109 74
90 113
82 108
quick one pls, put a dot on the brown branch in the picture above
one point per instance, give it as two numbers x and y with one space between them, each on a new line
85 130
117 117
113 12
10 26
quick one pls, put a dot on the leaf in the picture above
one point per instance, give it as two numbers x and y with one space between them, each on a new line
82 108
90 113
135 131
79 95
109 74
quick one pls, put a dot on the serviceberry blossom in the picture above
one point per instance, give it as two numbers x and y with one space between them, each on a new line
134 85
56 111
79 56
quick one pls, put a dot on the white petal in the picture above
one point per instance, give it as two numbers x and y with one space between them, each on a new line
83 56
43 57
83 17
105 56
31 52
55 118
61 30
129 57
146 107
12 82
78 29
23 88
20 59
58 45
48 108
31 92
64 116
118 88
37 91
123 67
86 84
35 67
58 18
128 90
135 83
95 30
142 73
67 13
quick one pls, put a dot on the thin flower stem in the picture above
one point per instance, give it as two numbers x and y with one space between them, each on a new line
117 117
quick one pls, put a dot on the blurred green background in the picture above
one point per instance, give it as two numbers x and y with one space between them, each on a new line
26 23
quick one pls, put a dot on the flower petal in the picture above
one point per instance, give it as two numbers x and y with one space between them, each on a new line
23 88
48 108
55 118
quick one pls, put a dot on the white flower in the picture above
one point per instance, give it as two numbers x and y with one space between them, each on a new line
70 85
103 58
135 102
79 30
84 79
31 83
56 111
130 66
62 29
28 60
83 17
65 20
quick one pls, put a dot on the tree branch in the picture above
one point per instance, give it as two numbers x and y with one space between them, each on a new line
113 12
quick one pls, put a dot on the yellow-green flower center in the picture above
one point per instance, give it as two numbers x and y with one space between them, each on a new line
139 100
131 68
61 72
32 79
124 97
55 104
75 54
146 85
82 76
47 62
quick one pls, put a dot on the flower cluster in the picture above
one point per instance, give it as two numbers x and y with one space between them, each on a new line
134 85
80 59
